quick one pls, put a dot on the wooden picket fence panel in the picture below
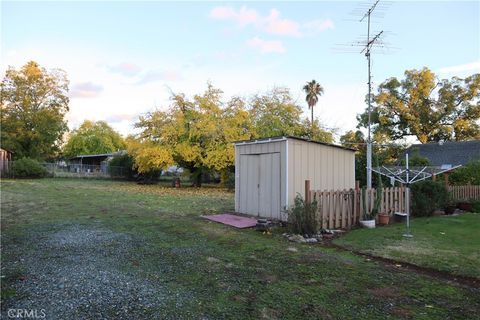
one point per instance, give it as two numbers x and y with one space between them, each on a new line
342 209
459 193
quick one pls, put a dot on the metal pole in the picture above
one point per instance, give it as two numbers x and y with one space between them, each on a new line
407 199
369 138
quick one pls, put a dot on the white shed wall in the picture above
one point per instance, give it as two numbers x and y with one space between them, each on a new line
327 167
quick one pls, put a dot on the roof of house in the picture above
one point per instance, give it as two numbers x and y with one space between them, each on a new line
448 153
102 155
279 138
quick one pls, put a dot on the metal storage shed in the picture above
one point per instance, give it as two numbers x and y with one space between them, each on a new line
270 172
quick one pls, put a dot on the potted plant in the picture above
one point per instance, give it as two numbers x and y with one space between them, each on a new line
368 216
383 219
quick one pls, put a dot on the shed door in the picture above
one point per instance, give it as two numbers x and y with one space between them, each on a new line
249 181
260 185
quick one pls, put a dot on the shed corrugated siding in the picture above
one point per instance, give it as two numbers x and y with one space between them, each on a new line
260 148
326 167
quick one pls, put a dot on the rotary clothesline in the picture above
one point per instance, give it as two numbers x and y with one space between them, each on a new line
408 176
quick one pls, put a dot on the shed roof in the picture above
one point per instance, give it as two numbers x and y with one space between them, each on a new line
101 155
279 138
448 153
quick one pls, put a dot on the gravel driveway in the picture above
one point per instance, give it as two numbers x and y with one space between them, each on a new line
82 272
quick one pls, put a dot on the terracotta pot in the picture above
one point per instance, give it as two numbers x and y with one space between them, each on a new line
383 219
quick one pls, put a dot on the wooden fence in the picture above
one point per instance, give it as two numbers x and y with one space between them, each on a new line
459 193
344 208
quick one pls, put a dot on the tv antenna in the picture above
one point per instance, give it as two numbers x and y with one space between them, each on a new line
367 49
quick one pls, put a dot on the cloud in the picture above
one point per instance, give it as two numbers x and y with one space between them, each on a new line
86 90
243 17
116 118
266 46
273 23
125 68
154 76
317 26
467 67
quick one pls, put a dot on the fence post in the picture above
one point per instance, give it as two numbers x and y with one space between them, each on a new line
308 195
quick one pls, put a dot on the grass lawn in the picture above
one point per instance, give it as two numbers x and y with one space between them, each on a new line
194 269
446 243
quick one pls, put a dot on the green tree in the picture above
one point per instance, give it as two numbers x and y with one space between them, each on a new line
195 134
429 109
275 114
313 90
384 152
33 104
93 138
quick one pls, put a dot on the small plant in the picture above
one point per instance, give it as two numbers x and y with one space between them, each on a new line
302 217
28 168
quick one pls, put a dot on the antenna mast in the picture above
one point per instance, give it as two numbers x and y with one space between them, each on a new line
367 50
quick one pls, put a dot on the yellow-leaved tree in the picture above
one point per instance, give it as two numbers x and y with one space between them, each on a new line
195 134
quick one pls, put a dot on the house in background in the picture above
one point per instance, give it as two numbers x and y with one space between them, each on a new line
447 154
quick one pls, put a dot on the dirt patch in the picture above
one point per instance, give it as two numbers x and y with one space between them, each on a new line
385 292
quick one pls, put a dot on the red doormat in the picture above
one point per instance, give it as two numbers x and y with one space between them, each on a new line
233 220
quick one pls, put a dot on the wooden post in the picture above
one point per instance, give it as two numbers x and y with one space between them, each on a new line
434 177
308 196
446 179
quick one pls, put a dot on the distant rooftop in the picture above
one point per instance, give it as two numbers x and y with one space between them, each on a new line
448 153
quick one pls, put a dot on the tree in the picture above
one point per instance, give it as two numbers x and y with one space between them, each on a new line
427 108
33 103
275 114
312 90
93 138
197 134
384 153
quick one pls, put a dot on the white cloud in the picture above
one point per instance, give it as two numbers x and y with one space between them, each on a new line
273 23
472 67
266 46
317 26
85 90
155 76
125 68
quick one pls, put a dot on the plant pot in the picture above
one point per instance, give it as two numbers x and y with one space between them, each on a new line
370 224
383 219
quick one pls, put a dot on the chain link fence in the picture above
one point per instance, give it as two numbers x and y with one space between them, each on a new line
63 170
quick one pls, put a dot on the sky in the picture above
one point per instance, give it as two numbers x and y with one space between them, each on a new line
125 58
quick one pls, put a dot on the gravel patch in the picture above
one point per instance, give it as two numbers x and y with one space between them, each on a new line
81 272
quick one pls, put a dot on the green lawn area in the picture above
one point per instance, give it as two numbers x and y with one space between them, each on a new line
446 243
211 271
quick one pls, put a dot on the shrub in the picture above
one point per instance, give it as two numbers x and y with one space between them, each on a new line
28 168
302 217
468 174
476 206
428 196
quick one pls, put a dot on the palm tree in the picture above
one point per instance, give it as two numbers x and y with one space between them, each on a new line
313 89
